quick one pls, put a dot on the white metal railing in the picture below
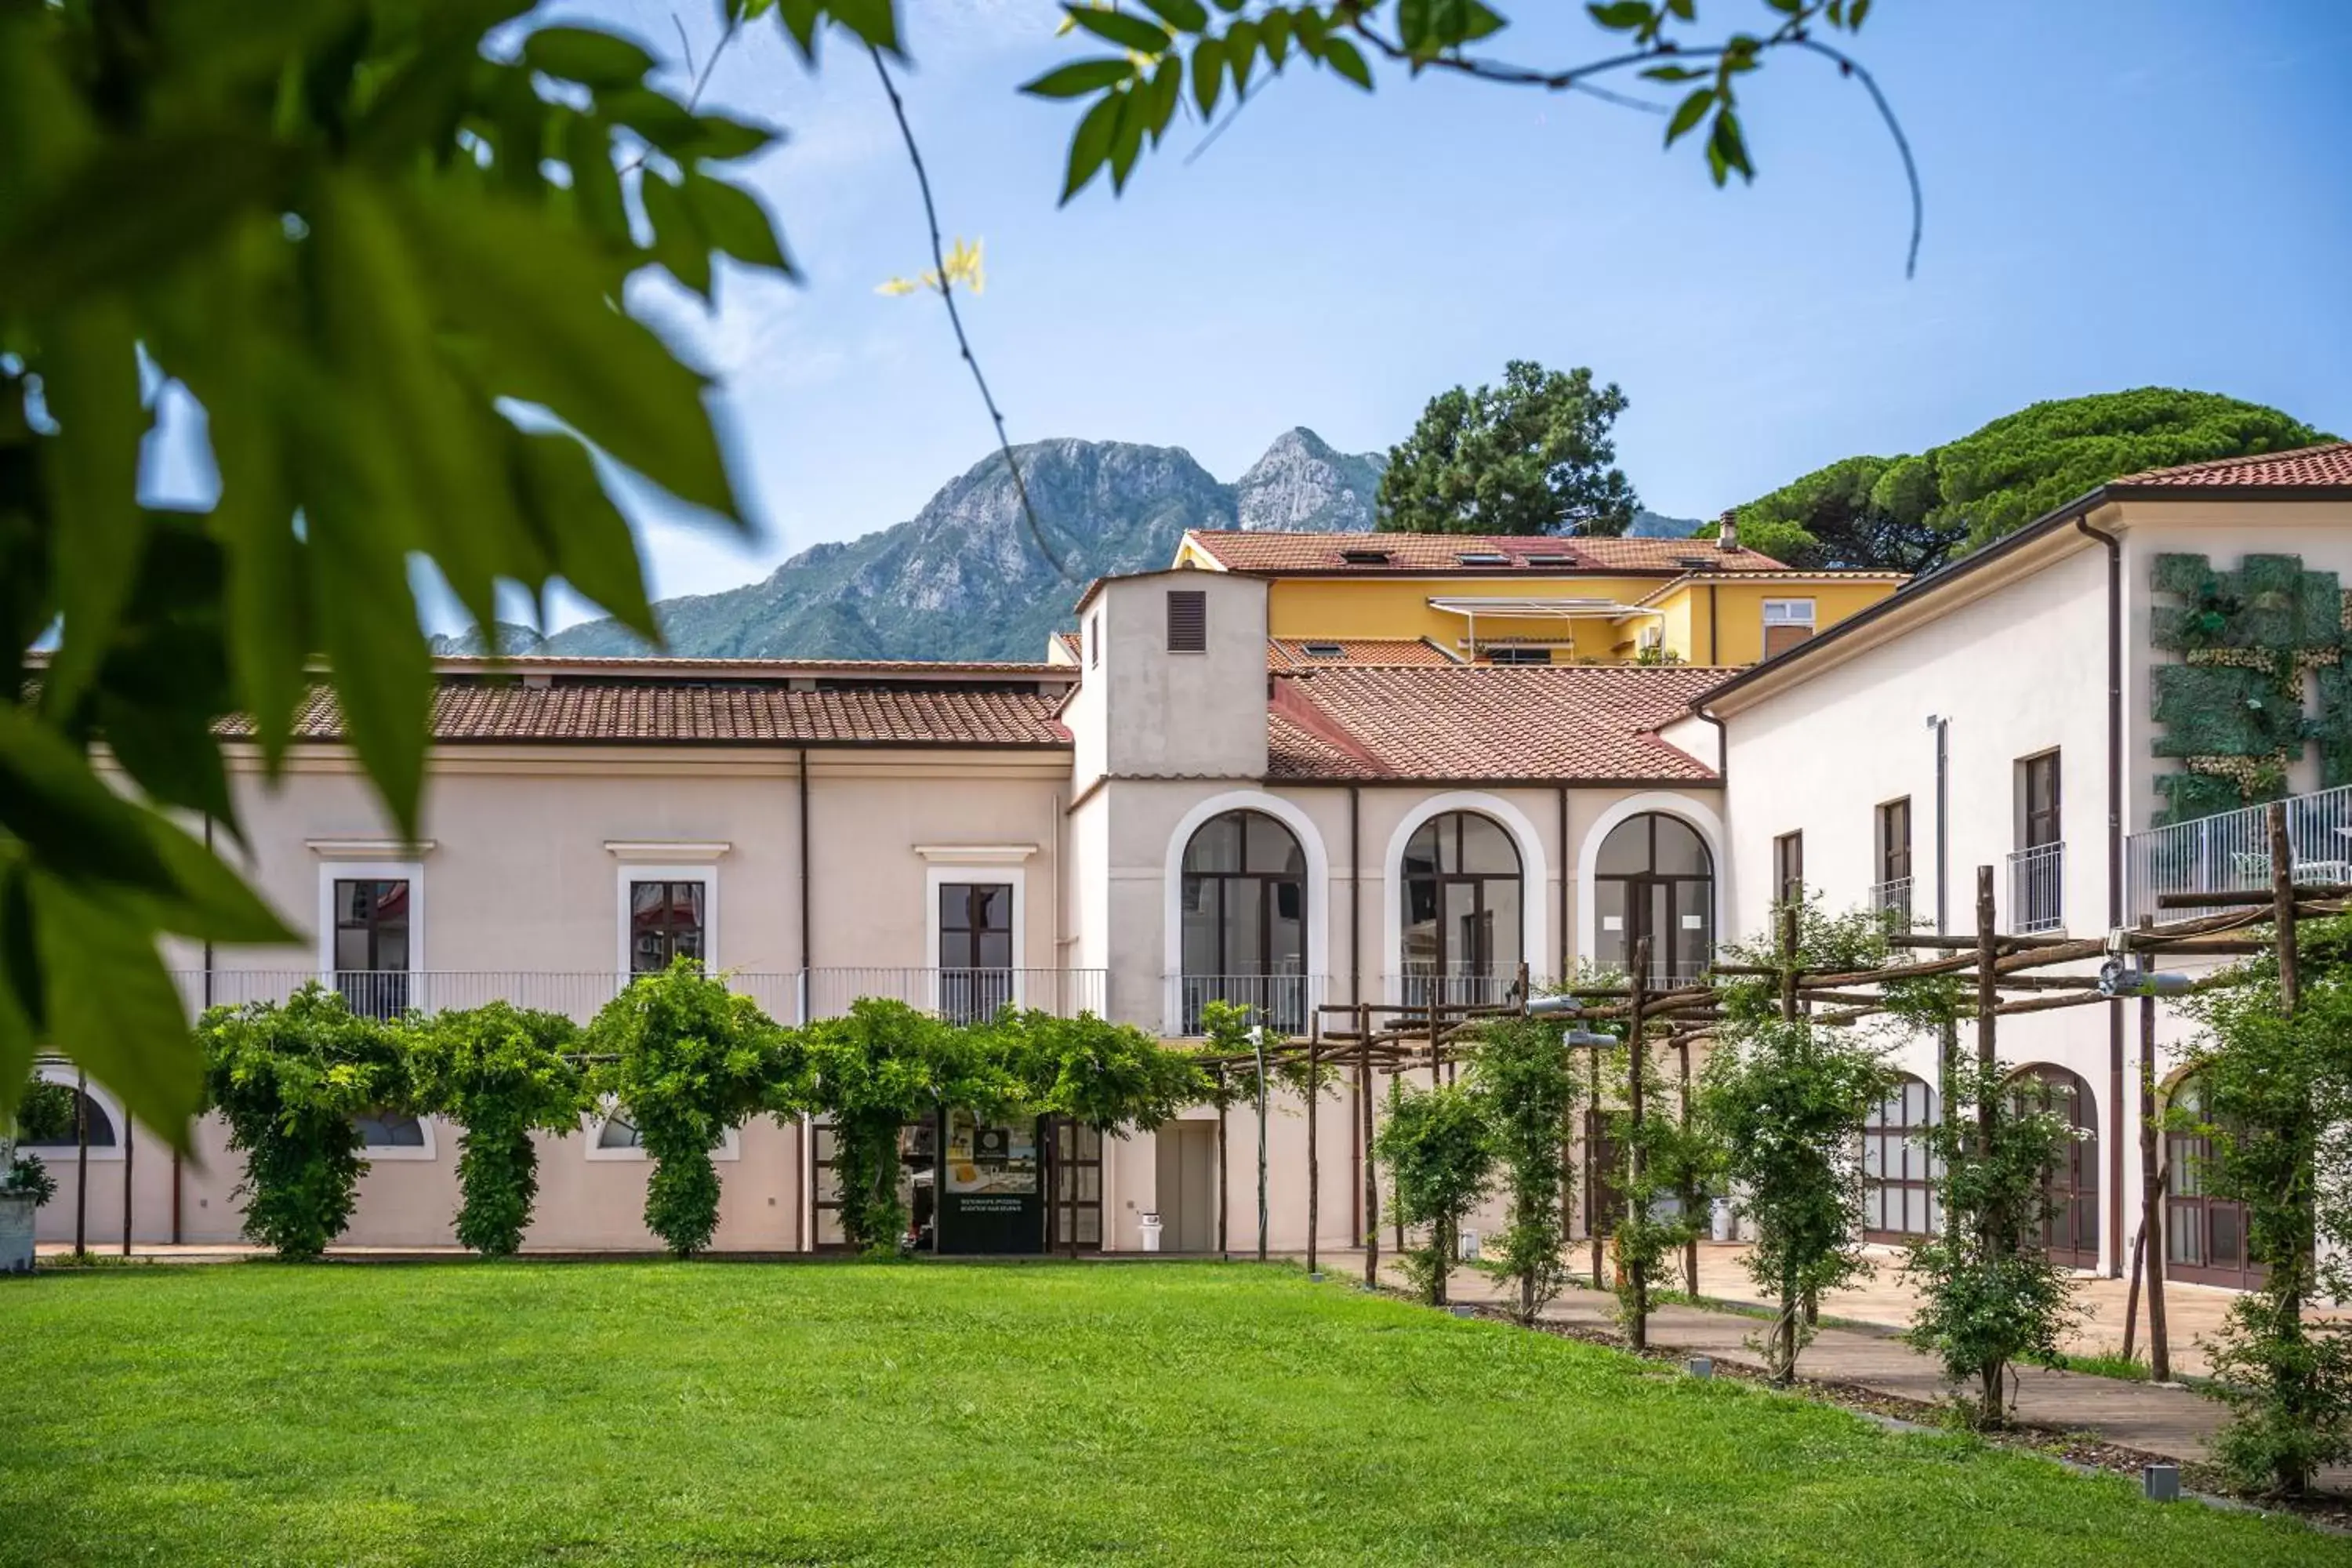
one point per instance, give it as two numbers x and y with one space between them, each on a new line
788 996
2231 852
2037 888
1453 985
1893 897
960 996
1283 1003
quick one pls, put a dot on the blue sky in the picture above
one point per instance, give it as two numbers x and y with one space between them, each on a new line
2120 192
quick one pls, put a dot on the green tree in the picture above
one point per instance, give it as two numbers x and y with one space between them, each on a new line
290 1080
327 221
872 1072
502 1073
1439 1148
683 1061
1911 513
2278 1104
1531 456
1523 1076
1989 1293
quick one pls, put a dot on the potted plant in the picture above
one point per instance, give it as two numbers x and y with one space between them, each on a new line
46 1110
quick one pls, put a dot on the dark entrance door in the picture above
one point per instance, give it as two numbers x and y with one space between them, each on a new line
2072 1234
1075 1157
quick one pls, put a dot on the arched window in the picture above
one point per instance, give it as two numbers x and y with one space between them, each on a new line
2204 1236
51 1128
1462 932
1898 1171
1244 913
2072 1234
1653 878
380 1130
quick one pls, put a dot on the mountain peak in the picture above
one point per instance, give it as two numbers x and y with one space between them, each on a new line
1303 483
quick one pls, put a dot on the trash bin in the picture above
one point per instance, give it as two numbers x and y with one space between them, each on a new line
1151 1223
1723 1224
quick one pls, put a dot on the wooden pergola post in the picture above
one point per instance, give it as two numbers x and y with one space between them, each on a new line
1314 1162
1637 1270
1224 1204
1371 1171
2154 1178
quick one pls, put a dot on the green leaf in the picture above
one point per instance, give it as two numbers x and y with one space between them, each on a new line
211 900
1688 113
89 377
595 180
110 1003
1119 27
1342 56
1208 74
585 55
383 671
1127 142
132 208
1167 93
1090 144
678 241
1622 16
661 120
874 22
1274 30
71 824
1241 53
724 140
1732 146
586 539
732 220
1674 73
1080 78
1183 16
534 295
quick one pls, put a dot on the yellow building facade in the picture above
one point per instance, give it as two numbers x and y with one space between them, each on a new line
1521 600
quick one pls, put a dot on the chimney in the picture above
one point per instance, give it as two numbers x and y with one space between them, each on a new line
1727 535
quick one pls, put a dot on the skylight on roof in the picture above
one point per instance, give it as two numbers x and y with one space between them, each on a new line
1552 560
1323 650
1483 558
1365 557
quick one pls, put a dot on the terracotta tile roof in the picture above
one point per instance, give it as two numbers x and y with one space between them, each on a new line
1561 723
1290 554
660 665
683 714
2318 467
1292 653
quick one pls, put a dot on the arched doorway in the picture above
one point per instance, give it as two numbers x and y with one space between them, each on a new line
2072 1232
1462 927
1243 910
1898 1170
2204 1236
1655 879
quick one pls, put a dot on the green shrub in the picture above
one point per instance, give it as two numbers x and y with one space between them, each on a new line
689 1061
501 1073
1521 1074
884 1065
290 1080
1440 1152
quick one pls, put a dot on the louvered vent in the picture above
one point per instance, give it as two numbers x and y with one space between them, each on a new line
1187 620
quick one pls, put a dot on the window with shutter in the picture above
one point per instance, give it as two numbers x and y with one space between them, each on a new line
1187 620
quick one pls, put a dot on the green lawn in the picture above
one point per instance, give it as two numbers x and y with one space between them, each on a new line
953 1416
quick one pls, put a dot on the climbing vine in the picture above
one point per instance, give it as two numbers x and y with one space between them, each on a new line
1440 1152
685 1061
288 1079
1522 1075
500 1072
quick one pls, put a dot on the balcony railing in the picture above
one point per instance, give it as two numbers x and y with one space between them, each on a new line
1282 1003
959 996
2037 888
1892 897
962 996
2230 853
1453 985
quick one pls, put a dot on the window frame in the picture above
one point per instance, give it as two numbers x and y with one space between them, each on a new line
1633 896
1400 896
399 1153
70 1153
1787 847
331 871
630 871
940 873
591 1124
2054 818
1767 623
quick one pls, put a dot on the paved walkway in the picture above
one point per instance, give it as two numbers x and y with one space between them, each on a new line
2176 1422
